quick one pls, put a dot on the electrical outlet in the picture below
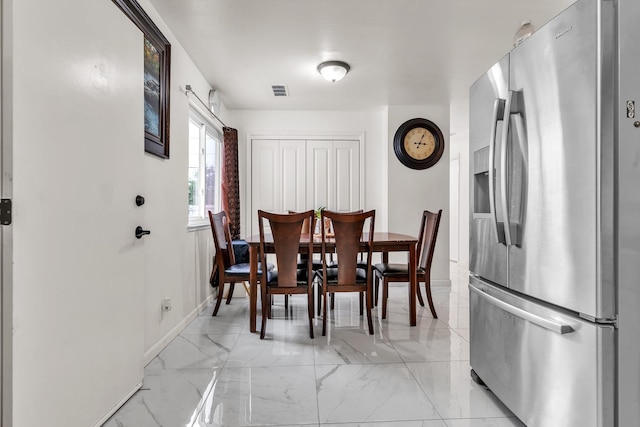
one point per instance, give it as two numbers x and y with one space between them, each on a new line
166 304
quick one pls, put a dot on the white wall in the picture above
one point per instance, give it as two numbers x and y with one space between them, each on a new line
460 145
413 191
177 262
87 294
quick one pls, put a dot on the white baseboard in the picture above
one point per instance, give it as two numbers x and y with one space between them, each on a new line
119 404
155 349
441 282
438 282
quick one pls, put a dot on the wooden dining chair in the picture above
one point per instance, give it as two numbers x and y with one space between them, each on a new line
225 265
349 274
287 278
333 262
392 272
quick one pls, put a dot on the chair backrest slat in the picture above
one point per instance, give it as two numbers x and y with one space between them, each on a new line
222 238
348 234
427 238
286 231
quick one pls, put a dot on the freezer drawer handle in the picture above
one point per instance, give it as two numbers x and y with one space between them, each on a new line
549 324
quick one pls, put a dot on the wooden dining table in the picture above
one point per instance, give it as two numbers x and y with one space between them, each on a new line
383 242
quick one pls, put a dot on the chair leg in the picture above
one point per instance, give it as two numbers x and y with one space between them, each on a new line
310 309
324 311
427 285
420 300
230 293
265 311
246 288
369 308
333 300
319 296
376 287
214 270
286 302
218 299
361 303
385 296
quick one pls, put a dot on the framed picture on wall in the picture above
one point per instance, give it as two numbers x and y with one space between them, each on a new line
156 77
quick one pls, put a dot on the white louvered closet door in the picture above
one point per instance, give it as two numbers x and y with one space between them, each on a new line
304 174
277 177
333 175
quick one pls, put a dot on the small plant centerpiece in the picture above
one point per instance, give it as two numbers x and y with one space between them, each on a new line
327 223
318 214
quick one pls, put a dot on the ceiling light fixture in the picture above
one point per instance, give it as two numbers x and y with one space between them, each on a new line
333 70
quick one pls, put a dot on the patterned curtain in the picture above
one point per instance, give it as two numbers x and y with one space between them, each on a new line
231 181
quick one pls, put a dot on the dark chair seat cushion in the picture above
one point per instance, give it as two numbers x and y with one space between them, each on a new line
315 265
272 277
332 275
395 270
244 268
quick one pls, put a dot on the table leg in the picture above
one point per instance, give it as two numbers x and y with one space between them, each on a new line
413 283
253 285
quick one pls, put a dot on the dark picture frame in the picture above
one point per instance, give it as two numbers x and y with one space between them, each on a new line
157 71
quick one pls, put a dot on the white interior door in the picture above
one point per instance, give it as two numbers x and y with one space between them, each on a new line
292 172
265 178
277 178
333 175
320 175
347 176
78 270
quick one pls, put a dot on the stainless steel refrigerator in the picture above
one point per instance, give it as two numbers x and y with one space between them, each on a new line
554 219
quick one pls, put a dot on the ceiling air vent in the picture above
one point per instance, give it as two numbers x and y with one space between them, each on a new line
279 90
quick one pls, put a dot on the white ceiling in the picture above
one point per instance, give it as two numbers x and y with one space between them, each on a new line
401 52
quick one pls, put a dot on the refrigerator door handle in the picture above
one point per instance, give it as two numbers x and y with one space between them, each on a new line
550 324
503 169
518 122
498 110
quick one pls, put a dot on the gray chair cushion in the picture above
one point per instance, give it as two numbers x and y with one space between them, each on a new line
244 268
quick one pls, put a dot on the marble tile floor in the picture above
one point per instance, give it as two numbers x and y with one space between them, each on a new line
217 373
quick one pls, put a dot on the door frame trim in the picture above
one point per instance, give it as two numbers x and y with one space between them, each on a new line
6 233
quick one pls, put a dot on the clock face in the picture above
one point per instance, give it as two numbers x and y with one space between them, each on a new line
419 143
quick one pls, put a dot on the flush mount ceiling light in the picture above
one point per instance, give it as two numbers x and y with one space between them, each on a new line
333 70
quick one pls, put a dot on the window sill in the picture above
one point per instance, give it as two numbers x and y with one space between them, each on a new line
197 226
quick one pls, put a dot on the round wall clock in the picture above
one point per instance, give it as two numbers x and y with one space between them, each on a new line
418 143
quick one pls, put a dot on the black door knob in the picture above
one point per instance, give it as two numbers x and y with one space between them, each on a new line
141 232
139 200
